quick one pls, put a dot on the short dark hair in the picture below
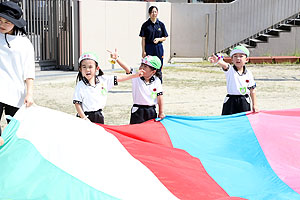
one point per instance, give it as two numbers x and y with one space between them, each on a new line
151 8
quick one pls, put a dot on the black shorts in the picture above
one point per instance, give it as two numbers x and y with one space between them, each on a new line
95 116
142 113
236 104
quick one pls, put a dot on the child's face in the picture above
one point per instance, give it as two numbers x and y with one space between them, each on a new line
6 26
88 69
239 60
148 71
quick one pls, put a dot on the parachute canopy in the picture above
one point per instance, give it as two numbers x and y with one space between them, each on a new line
52 155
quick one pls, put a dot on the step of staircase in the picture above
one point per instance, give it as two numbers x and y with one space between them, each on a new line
263 36
275 32
285 27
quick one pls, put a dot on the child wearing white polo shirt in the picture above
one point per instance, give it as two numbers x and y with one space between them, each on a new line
17 63
91 90
240 82
146 90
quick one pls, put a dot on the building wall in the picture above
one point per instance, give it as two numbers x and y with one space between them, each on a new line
287 44
193 28
106 25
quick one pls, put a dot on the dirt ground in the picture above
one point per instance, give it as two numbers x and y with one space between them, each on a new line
189 89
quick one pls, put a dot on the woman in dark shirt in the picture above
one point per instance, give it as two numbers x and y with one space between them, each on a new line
153 33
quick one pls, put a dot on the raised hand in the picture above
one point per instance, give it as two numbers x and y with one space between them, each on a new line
213 59
113 55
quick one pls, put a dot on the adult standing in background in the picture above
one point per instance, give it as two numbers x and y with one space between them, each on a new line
153 33
17 65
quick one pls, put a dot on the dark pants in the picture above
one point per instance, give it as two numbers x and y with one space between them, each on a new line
156 50
8 110
142 113
236 104
95 116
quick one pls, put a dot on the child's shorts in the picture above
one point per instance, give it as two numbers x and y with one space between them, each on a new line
142 113
236 104
95 116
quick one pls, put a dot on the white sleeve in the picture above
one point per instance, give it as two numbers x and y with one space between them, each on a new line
111 81
29 61
252 83
77 97
159 87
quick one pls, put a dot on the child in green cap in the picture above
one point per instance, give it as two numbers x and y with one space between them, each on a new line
241 87
146 90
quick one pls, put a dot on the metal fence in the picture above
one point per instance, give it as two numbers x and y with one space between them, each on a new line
49 27
242 19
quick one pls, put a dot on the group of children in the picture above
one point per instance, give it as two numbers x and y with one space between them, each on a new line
91 90
90 93
92 85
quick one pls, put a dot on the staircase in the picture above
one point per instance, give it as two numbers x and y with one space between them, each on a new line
271 32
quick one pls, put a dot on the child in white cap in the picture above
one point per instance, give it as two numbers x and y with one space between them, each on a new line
146 90
240 82
91 90
17 62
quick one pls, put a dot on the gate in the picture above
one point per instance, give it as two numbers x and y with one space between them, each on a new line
49 27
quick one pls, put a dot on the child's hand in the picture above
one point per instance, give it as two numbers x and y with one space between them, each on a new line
113 55
213 59
161 115
140 73
1 141
255 109
86 118
28 100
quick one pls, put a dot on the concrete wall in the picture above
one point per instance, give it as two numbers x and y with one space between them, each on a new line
287 44
193 30
111 24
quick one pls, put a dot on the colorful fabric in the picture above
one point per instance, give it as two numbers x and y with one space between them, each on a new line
52 155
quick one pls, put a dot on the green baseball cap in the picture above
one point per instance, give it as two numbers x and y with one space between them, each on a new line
152 61
240 49
88 55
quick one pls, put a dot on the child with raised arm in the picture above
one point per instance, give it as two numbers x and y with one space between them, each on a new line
240 82
91 90
146 90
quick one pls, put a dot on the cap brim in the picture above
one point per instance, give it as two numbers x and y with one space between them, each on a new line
20 23
237 51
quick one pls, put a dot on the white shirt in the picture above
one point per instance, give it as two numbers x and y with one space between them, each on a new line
239 84
17 63
93 98
146 94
